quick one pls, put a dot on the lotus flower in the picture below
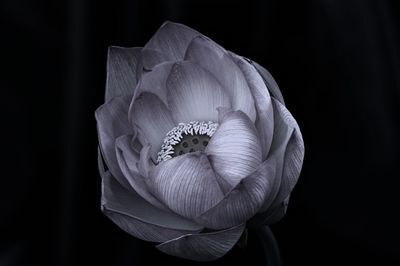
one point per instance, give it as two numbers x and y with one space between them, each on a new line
196 141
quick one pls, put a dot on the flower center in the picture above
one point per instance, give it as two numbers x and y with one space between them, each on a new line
186 138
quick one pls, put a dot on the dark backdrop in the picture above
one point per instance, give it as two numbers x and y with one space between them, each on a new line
338 66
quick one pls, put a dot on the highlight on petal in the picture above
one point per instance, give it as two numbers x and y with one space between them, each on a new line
288 150
216 60
128 160
262 98
235 150
138 217
194 94
269 81
151 116
123 69
244 201
112 122
203 246
172 39
186 184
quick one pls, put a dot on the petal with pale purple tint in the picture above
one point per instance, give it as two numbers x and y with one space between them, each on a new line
262 98
194 94
186 184
203 246
234 150
138 217
217 61
153 120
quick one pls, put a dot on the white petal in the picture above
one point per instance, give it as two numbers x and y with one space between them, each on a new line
194 94
112 122
128 160
203 246
172 39
123 68
217 61
244 201
265 113
138 217
234 150
186 184
153 120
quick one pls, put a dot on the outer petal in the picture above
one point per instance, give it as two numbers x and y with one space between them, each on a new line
139 218
243 201
172 39
288 150
153 119
194 94
294 155
128 160
112 122
203 246
123 67
269 81
265 114
217 61
234 149
186 184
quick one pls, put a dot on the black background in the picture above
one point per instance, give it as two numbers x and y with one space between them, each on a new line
338 66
